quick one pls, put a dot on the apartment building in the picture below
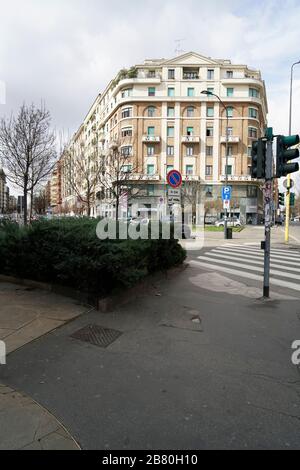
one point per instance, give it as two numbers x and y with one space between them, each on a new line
4 193
157 115
55 188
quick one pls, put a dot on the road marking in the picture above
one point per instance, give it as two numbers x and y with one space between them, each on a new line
289 255
260 256
259 263
252 268
235 272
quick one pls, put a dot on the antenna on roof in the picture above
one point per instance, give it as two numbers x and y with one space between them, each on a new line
179 50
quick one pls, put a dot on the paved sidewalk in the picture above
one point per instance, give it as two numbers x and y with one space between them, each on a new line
25 425
25 315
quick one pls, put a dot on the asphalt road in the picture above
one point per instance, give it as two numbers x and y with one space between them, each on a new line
200 364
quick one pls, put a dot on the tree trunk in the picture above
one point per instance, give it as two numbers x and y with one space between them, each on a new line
25 205
31 205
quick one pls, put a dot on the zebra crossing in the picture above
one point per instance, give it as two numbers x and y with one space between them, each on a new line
247 262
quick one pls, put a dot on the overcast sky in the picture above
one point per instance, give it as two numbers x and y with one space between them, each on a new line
66 51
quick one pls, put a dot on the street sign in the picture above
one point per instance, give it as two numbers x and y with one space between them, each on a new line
226 193
226 204
174 179
174 196
285 184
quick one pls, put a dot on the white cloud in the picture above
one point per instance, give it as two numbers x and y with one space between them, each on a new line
65 51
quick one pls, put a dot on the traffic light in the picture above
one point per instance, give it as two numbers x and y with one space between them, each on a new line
292 199
286 154
258 154
281 199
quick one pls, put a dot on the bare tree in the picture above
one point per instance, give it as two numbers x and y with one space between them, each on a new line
82 172
191 194
119 175
40 202
27 148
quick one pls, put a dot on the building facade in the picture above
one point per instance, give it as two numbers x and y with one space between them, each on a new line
4 193
160 120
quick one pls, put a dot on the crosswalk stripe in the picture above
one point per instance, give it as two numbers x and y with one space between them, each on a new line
274 250
260 252
259 256
244 274
276 264
252 268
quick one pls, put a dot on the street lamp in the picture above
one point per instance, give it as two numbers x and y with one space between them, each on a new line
288 198
209 93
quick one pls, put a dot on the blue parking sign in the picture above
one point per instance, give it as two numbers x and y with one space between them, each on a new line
226 193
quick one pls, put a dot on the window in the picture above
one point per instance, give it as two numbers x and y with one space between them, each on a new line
253 93
189 151
170 132
230 111
169 168
171 74
171 92
170 150
151 91
150 150
210 112
126 93
150 169
127 132
252 191
189 131
171 112
191 92
126 151
229 74
189 170
151 74
151 130
229 131
230 92
190 111
253 113
126 168
210 74
126 113
211 90
228 170
150 189
209 132
229 151
151 111
209 172
252 132
249 151
209 150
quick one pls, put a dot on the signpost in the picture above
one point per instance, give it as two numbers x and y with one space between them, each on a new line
174 196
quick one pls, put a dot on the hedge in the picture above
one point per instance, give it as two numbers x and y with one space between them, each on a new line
67 252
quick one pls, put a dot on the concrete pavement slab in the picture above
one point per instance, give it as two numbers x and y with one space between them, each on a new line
26 425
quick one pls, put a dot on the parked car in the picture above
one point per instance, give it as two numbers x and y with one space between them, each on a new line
231 222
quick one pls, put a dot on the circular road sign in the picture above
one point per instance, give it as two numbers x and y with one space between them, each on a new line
174 179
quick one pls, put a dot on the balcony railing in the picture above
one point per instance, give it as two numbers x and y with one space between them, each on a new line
151 138
233 178
191 178
231 139
190 139
190 76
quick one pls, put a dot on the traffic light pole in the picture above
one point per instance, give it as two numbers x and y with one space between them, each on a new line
268 204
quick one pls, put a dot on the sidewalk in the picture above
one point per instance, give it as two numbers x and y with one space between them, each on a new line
25 315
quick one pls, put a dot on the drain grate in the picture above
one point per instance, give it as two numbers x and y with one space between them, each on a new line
97 335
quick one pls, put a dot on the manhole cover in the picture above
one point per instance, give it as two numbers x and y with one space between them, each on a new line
97 335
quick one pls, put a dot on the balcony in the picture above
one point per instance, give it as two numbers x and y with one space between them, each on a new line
231 139
151 139
141 177
190 139
190 76
191 178
233 178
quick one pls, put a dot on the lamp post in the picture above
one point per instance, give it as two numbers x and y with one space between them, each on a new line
288 198
209 93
